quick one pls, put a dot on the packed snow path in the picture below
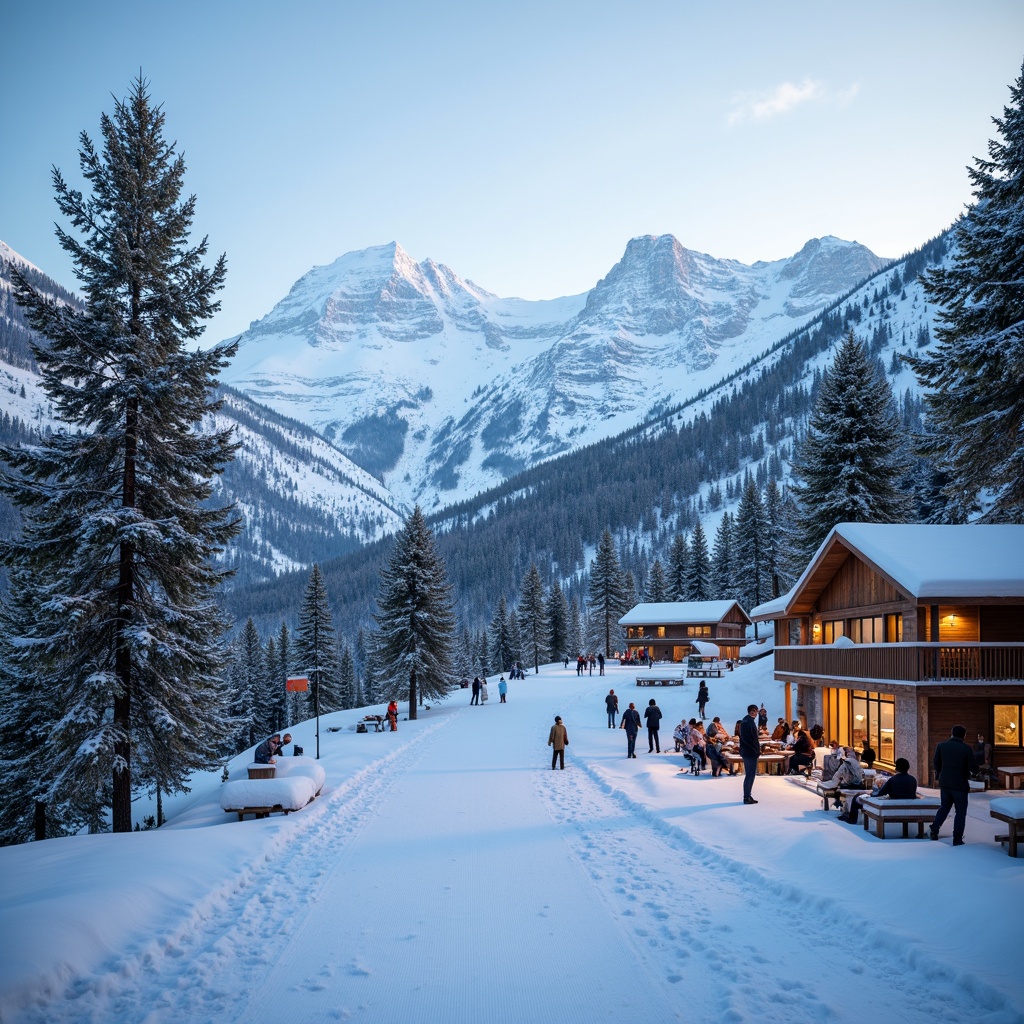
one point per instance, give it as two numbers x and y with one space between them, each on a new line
458 879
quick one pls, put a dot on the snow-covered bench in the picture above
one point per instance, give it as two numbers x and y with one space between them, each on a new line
289 767
264 796
1011 810
883 810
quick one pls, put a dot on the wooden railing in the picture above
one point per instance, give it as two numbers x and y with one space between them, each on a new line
905 662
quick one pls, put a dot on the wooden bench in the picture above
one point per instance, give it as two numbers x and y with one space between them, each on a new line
704 673
838 796
650 681
1011 810
883 810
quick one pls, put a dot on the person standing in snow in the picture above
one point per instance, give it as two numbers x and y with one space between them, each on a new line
600 662
631 723
954 764
483 689
653 716
750 751
502 690
558 740
611 702
476 690
702 699
393 716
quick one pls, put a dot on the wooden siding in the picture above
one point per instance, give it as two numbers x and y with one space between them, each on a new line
856 586
1002 624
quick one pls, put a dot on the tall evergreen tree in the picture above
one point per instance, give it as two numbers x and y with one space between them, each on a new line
974 376
777 540
416 620
118 534
500 639
533 617
315 650
657 584
515 638
606 598
558 622
698 568
750 535
576 637
679 557
250 706
854 455
347 677
723 584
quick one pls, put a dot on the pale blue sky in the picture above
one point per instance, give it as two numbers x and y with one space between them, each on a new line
522 144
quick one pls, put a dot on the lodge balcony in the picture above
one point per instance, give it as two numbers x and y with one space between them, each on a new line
904 662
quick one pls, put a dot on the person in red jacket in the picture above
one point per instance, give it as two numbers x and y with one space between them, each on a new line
393 716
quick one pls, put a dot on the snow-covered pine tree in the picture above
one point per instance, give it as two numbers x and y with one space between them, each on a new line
723 584
249 704
515 638
347 677
606 600
749 540
483 653
416 619
292 701
499 639
974 376
558 622
657 585
118 535
463 660
533 618
678 559
698 567
575 639
850 463
777 540
314 648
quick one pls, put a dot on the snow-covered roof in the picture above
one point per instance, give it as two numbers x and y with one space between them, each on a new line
944 561
707 650
925 561
672 612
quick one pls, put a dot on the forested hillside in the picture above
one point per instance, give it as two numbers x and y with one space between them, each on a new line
647 484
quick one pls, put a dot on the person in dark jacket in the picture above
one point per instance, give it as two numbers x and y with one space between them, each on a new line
476 690
803 753
267 750
631 723
750 751
703 695
653 716
902 786
611 702
954 765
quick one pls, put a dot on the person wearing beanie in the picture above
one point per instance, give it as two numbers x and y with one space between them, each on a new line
558 740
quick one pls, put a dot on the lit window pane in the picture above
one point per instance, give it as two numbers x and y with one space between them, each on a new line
1007 725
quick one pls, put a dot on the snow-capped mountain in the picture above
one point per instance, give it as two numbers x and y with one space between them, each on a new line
300 497
441 388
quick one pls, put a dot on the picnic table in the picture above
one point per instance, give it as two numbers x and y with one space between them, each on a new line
1013 777
659 681
774 762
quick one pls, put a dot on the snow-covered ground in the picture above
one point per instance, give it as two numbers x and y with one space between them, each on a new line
447 874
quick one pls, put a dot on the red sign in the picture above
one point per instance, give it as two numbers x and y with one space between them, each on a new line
296 684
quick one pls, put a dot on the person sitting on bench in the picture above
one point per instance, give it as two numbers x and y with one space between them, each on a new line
902 786
849 775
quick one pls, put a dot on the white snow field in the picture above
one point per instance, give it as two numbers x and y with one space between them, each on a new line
447 875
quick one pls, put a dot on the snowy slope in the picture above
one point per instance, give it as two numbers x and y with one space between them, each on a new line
443 389
447 874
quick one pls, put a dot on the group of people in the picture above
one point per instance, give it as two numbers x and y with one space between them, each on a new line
585 662
480 690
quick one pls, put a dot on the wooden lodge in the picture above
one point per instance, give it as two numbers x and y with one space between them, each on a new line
894 634
666 630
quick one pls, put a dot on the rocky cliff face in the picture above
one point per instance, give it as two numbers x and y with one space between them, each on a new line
441 388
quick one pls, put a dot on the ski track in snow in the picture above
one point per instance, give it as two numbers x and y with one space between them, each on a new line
698 918
202 970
